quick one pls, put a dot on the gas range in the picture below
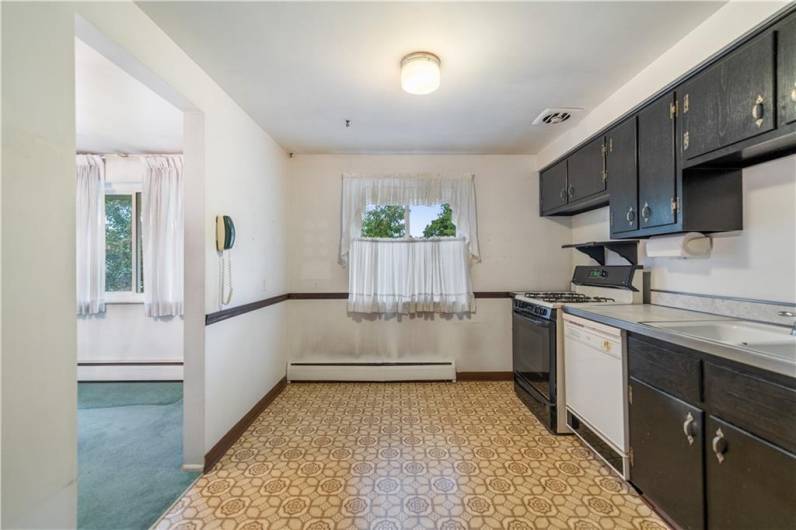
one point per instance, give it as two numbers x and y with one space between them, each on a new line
537 342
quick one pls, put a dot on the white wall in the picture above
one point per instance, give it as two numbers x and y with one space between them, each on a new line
519 250
758 262
124 333
243 176
38 297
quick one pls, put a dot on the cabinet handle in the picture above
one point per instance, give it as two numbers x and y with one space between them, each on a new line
571 191
757 111
689 428
630 216
646 212
563 195
719 445
685 141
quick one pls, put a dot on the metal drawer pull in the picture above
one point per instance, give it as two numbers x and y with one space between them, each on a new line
646 212
563 194
689 429
757 111
719 445
571 191
630 215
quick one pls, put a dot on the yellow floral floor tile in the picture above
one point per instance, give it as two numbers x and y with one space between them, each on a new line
389 456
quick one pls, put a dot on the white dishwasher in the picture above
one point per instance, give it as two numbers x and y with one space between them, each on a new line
594 379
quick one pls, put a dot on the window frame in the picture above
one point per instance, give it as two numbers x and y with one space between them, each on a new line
134 296
408 227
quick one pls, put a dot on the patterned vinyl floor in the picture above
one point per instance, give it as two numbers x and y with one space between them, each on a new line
403 456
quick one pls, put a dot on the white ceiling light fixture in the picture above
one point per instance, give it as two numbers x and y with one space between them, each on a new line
420 73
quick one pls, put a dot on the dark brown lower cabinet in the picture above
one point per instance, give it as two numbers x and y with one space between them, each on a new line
666 465
750 483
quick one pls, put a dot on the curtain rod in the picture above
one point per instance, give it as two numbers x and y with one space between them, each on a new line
126 155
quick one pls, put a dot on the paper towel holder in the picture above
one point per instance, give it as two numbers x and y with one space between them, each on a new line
627 248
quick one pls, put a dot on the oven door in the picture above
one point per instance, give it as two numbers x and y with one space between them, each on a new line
534 353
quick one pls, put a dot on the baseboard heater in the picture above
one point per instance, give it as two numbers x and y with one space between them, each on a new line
371 371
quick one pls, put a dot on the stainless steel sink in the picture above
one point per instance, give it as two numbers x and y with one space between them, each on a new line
768 339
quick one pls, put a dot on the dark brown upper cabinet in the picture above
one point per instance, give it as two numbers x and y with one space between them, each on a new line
693 140
731 101
786 71
586 171
622 173
553 187
657 163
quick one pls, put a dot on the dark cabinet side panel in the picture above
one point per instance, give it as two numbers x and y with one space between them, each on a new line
622 171
666 463
585 170
657 171
786 70
553 187
731 101
754 484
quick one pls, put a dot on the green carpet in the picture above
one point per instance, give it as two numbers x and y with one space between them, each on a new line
129 453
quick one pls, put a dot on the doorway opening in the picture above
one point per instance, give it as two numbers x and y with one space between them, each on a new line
130 278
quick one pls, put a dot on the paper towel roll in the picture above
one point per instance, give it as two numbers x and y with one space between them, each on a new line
690 245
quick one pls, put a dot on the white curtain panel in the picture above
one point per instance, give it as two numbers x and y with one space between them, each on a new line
409 276
162 236
90 236
408 189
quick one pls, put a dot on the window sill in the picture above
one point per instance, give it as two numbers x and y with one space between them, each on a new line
124 298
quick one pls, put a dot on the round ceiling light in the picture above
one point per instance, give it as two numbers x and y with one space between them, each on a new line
420 73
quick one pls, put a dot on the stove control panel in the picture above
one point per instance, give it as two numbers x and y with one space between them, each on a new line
528 308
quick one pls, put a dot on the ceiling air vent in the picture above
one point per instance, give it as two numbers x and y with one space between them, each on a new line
555 116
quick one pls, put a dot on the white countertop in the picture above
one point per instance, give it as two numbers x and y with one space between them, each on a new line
633 317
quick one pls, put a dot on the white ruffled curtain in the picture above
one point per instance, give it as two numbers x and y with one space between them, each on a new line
162 236
404 275
90 234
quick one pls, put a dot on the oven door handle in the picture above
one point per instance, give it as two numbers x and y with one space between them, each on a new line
537 321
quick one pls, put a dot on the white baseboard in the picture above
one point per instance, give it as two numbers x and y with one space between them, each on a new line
377 371
129 372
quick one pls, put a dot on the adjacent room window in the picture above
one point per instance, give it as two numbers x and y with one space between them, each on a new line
423 222
124 280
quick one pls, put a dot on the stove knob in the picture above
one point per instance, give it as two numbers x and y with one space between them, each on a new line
603 273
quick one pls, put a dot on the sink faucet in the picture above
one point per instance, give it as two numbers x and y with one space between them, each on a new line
789 314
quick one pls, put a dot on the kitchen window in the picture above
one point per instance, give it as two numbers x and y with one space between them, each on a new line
124 265
408 242
408 222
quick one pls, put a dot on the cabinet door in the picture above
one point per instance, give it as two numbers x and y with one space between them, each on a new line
786 70
586 170
620 163
750 483
666 462
657 169
553 187
730 101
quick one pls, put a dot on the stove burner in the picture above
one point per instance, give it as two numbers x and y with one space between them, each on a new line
566 297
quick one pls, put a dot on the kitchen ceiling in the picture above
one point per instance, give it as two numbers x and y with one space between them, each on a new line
301 69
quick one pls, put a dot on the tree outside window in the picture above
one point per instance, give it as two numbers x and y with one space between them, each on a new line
123 246
392 221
